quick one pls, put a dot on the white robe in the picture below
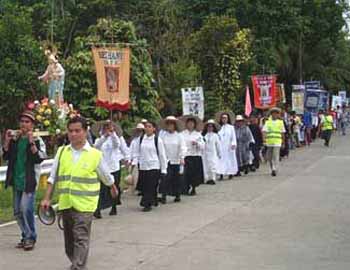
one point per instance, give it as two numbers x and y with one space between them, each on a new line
228 161
211 155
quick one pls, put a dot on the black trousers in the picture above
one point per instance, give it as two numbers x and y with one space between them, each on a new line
193 175
171 184
326 135
256 155
149 188
105 200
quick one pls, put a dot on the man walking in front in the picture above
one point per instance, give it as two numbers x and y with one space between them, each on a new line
273 136
327 126
76 170
24 154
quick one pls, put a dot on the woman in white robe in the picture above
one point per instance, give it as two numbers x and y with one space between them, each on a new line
228 161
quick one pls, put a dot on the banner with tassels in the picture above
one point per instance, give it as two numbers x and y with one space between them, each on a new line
113 76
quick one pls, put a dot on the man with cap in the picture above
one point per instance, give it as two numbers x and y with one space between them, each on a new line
24 153
327 126
273 137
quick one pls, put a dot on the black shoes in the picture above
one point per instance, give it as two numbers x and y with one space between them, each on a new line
274 173
97 214
211 182
163 200
113 211
177 199
147 209
193 192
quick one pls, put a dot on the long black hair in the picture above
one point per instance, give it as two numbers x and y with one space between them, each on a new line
205 130
229 119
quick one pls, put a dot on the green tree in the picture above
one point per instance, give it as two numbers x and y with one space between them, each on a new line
221 49
21 61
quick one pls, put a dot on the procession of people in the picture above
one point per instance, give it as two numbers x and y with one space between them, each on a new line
171 158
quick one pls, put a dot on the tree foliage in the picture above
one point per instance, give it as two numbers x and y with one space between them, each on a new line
177 43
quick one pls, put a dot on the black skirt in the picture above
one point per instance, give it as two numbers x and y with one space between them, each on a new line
171 184
150 182
105 200
193 174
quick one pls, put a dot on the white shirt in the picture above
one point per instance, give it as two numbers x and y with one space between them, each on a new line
109 146
134 149
102 171
148 157
194 143
175 147
123 150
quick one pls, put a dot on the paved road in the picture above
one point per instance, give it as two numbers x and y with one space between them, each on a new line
298 220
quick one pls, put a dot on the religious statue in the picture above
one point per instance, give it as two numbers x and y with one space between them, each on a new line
54 77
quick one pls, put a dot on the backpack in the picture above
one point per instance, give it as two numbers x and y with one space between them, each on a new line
156 137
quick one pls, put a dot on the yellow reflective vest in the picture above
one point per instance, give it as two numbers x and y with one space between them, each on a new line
327 123
274 129
78 185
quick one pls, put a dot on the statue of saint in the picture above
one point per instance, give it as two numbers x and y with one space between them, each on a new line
54 77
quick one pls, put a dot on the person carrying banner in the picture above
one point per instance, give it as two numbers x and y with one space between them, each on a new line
108 144
327 127
76 172
273 136
24 154
152 165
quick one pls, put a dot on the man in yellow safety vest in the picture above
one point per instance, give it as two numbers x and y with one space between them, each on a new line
273 136
327 126
76 172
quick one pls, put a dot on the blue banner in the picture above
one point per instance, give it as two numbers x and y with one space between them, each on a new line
316 100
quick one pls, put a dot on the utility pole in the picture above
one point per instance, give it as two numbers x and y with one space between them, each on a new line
301 36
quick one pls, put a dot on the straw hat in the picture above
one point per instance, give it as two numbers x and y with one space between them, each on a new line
171 119
140 126
212 122
239 118
219 114
98 126
275 109
197 120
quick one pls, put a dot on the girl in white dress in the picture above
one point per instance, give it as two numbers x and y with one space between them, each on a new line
211 151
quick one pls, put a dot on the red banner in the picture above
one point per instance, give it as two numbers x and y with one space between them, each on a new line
265 96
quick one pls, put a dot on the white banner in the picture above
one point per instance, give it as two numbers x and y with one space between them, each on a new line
342 94
336 101
193 101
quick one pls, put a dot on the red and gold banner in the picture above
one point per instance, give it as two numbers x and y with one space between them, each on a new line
113 76
265 96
